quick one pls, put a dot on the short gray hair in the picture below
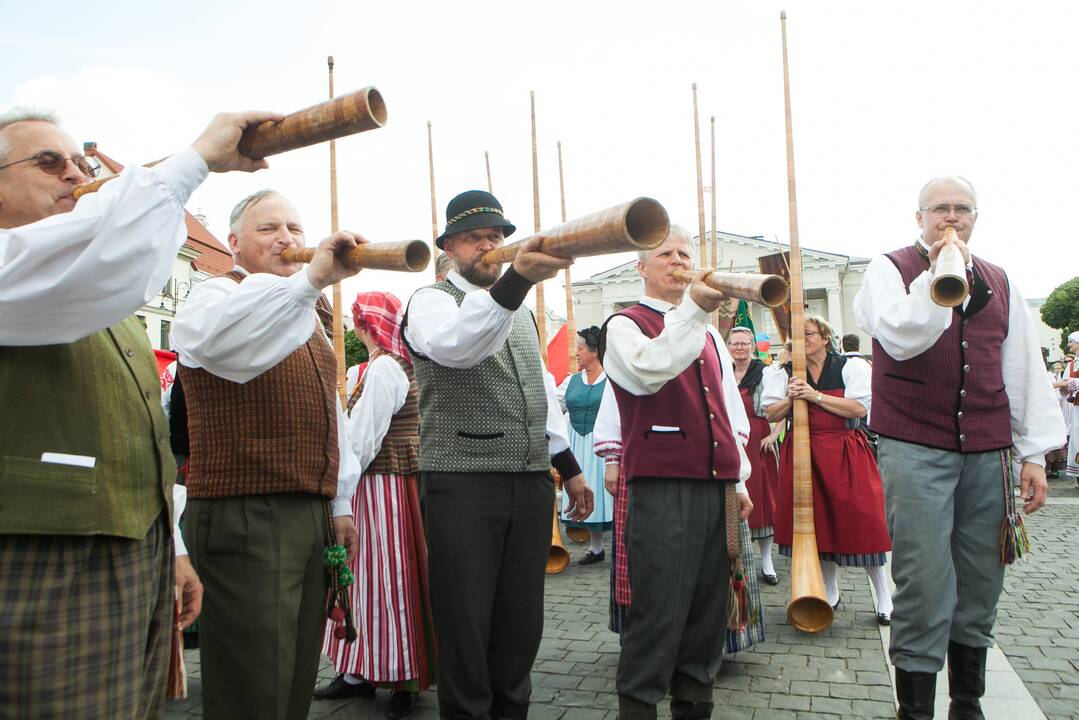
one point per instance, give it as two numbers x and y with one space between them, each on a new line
237 216
741 329
19 114
679 230
923 194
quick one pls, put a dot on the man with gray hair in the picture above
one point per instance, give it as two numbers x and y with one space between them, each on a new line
957 394
87 574
684 466
270 464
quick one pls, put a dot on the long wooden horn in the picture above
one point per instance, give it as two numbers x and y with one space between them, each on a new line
345 115
770 290
557 556
402 256
949 287
809 609
640 224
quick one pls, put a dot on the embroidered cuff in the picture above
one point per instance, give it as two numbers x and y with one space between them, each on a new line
566 464
510 290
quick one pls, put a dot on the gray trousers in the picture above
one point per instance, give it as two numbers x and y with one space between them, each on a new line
263 611
488 536
679 575
944 510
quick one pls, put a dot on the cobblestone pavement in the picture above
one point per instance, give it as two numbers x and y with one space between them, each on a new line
840 673
1038 621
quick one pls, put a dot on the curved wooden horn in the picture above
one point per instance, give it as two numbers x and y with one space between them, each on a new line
640 224
769 290
402 256
558 556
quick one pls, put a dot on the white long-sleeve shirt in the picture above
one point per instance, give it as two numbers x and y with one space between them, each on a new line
908 324
642 365
857 384
385 390
466 335
239 331
70 275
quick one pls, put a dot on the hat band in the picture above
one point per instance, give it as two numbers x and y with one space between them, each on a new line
473 211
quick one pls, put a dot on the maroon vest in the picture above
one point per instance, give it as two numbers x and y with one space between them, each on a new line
952 395
683 430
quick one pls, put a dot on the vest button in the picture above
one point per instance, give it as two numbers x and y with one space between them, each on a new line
962 438
989 292
959 414
129 353
715 443
711 416
149 395
966 368
701 362
962 393
162 440
706 389
965 345
715 473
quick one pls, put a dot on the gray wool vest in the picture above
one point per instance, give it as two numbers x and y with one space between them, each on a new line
491 417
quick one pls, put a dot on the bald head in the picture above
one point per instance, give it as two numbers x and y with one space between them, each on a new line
945 182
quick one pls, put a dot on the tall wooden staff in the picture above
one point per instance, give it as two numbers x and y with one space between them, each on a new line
715 241
809 609
541 319
487 162
703 258
338 320
571 330
434 208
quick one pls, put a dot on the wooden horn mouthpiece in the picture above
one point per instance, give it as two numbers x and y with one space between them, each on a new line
401 256
640 224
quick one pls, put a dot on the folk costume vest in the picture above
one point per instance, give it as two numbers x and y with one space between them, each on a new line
399 454
99 398
683 430
491 417
952 396
276 433
582 403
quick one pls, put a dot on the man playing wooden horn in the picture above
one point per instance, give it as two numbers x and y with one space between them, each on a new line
683 428
954 390
490 428
268 456
86 553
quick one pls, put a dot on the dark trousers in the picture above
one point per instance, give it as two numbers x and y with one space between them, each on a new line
85 625
263 611
679 578
488 536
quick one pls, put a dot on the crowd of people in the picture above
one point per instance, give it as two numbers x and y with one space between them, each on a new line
405 533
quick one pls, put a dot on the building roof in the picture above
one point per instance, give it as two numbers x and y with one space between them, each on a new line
213 258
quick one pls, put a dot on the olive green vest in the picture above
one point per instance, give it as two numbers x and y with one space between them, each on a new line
98 397
491 417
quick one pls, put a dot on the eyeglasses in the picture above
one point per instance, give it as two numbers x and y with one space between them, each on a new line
811 333
54 163
740 344
944 210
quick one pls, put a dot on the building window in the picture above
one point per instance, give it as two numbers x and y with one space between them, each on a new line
166 328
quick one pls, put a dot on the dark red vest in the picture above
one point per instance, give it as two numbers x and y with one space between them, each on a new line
683 430
952 395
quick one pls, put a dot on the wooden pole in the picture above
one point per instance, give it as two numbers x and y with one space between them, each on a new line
809 609
571 328
715 240
703 248
487 162
338 315
541 319
434 208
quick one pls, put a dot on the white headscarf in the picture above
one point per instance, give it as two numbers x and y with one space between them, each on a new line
1074 337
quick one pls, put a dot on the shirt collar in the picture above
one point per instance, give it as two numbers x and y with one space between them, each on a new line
237 268
659 305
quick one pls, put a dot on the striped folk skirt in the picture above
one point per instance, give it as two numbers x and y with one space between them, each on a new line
390 598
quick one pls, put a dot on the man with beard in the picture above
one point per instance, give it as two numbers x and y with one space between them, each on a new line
490 429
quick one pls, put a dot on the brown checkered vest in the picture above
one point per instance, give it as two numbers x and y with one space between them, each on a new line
276 433
400 453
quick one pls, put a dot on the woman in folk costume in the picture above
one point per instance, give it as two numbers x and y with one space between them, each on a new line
579 395
1070 391
848 497
743 633
390 598
750 372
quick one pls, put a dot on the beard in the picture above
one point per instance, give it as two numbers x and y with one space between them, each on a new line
479 273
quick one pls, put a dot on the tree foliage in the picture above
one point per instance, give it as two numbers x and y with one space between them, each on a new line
355 351
1061 309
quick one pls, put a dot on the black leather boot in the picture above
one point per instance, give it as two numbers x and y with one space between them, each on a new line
916 692
966 681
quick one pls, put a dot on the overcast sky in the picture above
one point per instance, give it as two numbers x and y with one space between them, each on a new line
885 95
